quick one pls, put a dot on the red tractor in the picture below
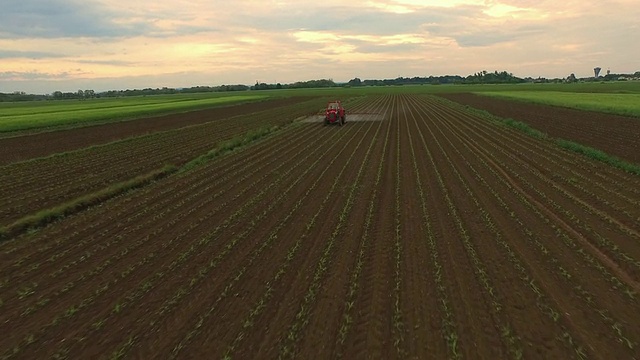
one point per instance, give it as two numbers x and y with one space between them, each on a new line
335 113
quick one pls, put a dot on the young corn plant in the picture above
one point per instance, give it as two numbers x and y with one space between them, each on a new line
289 345
260 306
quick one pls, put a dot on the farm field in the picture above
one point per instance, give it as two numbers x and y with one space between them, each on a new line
24 147
29 186
431 232
616 135
621 104
22 116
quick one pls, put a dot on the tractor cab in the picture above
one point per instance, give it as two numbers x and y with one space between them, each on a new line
335 113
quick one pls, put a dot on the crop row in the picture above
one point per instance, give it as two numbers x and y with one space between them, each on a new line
253 256
36 184
581 214
169 304
165 247
149 198
149 285
477 148
483 276
434 232
82 250
355 277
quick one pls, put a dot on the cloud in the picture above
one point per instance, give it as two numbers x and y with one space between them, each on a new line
65 18
177 42
30 54
382 49
35 75
492 36
342 19
106 62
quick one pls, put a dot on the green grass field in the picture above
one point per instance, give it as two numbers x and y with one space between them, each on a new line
15 118
622 87
22 116
614 103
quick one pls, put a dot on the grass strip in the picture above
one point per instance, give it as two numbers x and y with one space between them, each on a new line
68 114
230 145
610 103
598 155
47 216
525 128
575 147
50 215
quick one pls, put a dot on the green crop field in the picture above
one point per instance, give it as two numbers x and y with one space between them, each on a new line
621 87
69 113
615 103
615 97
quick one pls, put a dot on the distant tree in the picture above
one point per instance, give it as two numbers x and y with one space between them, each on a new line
355 82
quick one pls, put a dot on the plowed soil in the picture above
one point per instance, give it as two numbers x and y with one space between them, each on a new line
28 187
26 147
433 233
613 134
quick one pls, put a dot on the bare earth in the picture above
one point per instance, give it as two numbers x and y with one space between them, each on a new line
432 233
613 134
25 147
26 187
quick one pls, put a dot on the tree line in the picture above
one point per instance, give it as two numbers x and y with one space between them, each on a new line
322 83
92 94
481 77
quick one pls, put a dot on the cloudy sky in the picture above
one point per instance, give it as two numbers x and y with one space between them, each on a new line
48 45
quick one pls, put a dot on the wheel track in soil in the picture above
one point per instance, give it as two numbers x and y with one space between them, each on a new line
581 220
